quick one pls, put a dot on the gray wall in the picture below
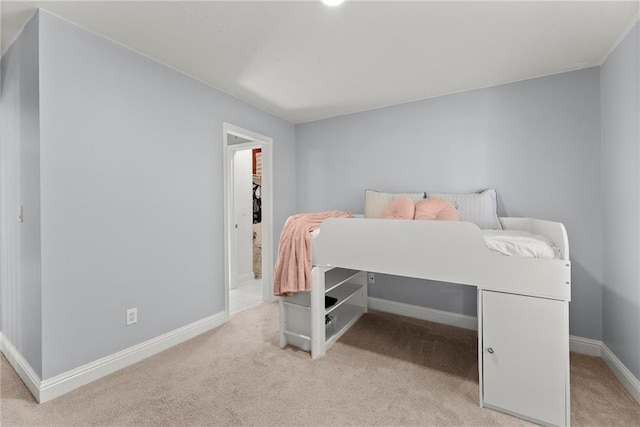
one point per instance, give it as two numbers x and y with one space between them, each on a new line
132 196
537 142
620 79
21 285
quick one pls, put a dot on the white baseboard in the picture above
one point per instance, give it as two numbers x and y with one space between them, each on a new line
51 388
628 380
585 346
581 345
21 366
423 313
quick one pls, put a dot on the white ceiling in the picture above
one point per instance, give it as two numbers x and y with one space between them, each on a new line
303 61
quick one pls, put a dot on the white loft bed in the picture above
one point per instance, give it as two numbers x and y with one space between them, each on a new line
523 333
446 251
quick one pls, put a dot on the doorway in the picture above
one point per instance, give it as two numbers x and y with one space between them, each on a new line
248 222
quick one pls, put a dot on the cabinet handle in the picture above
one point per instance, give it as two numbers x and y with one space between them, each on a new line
490 350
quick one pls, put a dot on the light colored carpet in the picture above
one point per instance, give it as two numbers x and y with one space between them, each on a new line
387 370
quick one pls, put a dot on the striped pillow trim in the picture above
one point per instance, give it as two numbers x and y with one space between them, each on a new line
478 208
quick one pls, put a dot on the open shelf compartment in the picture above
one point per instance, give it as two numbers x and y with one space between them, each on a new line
348 287
337 276
346 316
343 294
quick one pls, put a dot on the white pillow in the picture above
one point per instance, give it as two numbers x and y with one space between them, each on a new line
478 208
375 201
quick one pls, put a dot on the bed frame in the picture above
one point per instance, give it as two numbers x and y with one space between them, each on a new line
523 316
445 251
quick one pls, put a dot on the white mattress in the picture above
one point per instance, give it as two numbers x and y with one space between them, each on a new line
513 243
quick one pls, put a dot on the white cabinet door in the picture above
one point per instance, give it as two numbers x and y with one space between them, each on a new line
525 356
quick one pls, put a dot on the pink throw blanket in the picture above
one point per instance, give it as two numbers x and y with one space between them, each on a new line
293 266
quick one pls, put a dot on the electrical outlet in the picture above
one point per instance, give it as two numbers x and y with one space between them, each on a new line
371 278
132 316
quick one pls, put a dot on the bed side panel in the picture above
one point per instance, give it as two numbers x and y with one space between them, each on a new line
437 250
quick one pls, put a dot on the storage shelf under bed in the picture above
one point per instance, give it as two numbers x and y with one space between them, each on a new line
346 316
343 294
349 289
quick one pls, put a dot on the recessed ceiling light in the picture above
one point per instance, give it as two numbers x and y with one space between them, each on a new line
332 2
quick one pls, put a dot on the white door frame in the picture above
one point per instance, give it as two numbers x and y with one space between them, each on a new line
265 143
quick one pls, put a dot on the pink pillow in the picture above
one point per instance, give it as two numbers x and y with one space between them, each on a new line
436 209
400 208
